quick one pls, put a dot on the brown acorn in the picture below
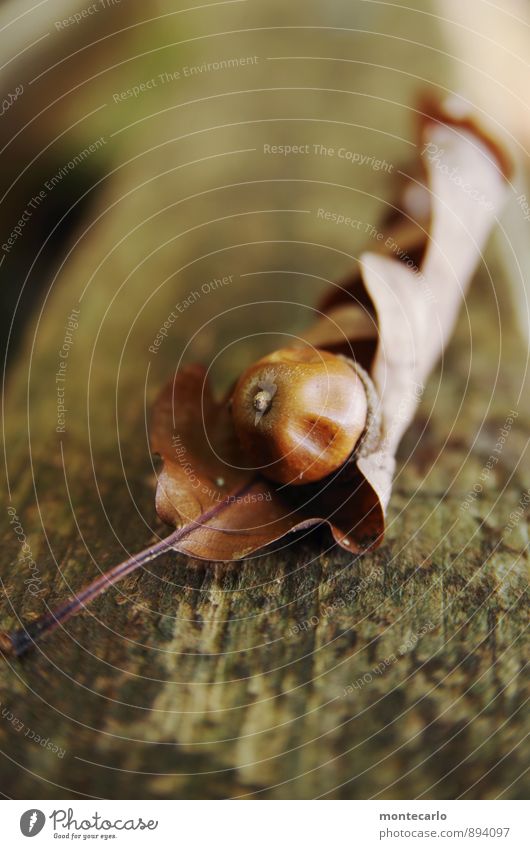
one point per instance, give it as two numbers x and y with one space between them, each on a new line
299 413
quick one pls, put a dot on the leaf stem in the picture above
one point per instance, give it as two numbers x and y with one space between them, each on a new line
16 643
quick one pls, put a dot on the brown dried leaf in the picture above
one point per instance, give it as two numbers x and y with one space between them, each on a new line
395 317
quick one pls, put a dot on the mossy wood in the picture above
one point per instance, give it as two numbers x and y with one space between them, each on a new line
304 672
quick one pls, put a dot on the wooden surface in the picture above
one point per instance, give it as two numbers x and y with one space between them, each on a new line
303 672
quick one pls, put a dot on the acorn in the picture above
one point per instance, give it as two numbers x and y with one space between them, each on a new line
300 412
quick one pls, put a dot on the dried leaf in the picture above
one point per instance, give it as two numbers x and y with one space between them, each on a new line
395 317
